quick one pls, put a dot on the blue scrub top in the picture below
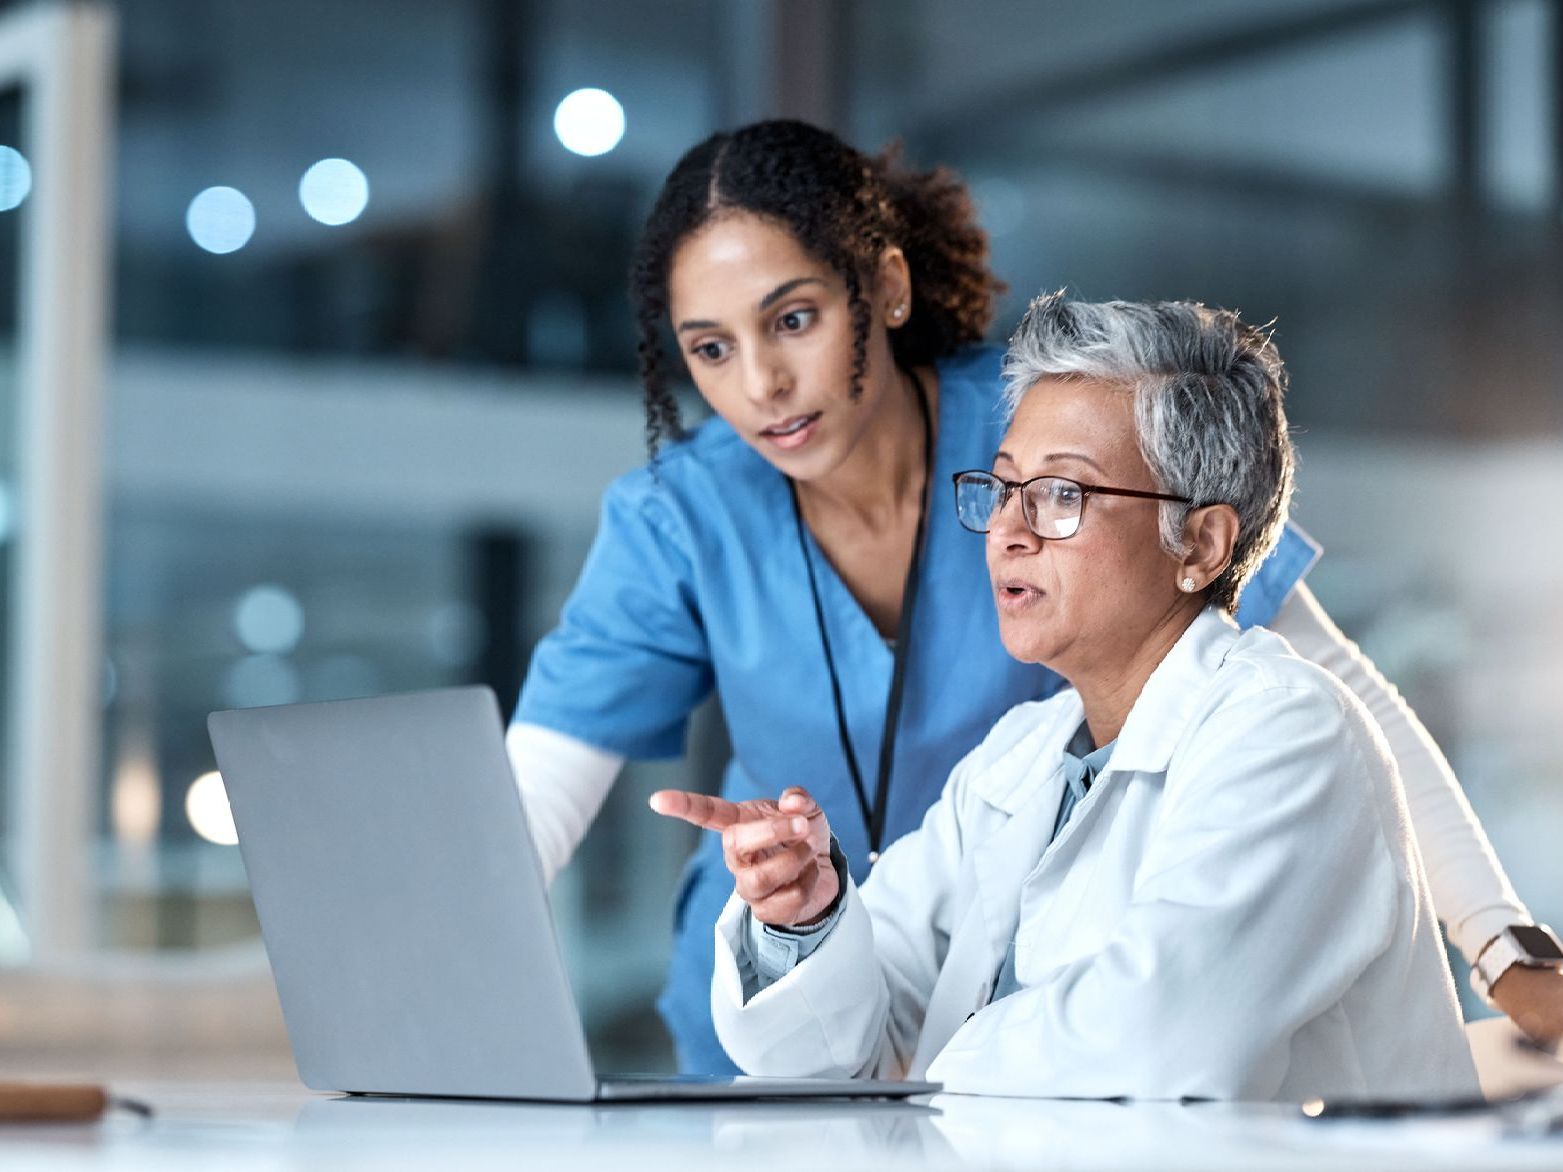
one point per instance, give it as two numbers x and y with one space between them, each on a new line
695 581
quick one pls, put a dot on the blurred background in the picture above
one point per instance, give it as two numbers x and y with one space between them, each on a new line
315 356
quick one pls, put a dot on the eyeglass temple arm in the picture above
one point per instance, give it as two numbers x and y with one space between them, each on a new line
1135 492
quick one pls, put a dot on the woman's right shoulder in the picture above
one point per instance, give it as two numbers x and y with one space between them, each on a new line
710 469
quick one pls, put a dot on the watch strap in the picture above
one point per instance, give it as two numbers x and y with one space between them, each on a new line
1501 954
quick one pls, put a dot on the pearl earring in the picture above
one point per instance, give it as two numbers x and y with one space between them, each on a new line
898 312
1187 585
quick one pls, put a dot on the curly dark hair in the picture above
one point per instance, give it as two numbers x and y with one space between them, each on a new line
843 207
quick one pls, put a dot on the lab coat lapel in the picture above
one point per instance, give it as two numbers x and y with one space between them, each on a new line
999 867
1162 711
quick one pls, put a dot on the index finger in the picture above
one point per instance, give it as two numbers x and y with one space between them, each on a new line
701 809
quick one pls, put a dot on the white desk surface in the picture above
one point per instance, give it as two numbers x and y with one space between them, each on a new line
253 1125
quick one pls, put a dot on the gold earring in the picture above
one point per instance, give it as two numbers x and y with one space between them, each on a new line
1187 585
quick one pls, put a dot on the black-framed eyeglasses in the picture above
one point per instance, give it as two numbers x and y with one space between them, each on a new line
1051 505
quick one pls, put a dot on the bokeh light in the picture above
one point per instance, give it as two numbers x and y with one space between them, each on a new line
16 178
268 619
206 805
221 219
589 122
334 191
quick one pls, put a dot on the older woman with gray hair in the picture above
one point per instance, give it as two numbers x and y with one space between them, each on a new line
1188 874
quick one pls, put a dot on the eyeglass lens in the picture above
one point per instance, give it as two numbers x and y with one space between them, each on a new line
1050 504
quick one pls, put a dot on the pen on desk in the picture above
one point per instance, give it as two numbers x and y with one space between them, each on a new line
1392 1108
24 1102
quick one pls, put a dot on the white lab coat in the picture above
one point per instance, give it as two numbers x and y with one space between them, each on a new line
1235 910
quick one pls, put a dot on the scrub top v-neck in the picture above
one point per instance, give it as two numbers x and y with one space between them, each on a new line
696 580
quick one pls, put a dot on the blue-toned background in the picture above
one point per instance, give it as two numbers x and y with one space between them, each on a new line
354 436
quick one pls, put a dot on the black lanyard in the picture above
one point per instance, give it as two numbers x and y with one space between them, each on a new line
874 814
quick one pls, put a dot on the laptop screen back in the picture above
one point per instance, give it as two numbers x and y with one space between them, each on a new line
401 901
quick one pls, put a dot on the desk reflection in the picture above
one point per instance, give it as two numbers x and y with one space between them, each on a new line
946 1131
664 1134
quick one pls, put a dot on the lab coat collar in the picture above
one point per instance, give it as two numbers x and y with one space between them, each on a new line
1155 725
1033 767
1160 716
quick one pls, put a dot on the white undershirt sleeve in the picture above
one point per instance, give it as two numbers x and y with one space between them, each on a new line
1471 893
563 782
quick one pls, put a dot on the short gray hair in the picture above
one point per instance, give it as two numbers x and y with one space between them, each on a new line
1208 390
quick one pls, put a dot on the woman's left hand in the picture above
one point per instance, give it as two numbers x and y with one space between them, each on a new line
1533 999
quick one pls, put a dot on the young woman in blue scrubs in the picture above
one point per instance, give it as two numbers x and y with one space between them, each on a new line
796 554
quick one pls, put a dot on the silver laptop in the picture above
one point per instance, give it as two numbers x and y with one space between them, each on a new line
404 911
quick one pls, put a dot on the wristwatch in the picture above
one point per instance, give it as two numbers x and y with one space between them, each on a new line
1531 945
